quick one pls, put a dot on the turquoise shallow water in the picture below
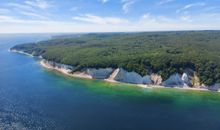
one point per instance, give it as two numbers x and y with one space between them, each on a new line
32 97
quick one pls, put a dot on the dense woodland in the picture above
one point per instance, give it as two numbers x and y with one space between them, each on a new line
164 53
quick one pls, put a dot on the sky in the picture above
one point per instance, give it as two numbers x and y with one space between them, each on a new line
36 16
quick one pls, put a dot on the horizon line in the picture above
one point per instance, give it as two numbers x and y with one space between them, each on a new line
109 31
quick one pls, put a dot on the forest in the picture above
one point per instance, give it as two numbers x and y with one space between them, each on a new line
164 53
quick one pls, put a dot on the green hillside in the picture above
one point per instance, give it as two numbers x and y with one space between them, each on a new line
150 52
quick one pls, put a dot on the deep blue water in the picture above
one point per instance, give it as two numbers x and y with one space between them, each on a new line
32 97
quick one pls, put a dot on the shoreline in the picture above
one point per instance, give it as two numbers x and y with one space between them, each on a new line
63 71
20 52
83 75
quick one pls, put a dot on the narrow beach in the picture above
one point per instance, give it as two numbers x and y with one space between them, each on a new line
83 75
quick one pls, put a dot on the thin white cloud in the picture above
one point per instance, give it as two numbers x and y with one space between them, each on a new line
5 18
190 6
185 22
33 15
162 2
4 11
186 18
20 6
149 18
104 1
211 8
147 22
74 8
13 20
36 20
127 4
42 4
26 9
100 20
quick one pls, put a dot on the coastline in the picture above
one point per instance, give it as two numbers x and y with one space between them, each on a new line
20 52
63 71
83 75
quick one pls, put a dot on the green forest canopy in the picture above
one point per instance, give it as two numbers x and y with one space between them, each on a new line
164 53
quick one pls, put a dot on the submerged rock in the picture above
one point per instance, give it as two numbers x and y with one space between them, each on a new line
100 73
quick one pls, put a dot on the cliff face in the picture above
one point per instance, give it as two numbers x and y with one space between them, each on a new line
128 51
187 79
100 73
174 80
132 77
25 48
147 80
156 79
215 87
64 67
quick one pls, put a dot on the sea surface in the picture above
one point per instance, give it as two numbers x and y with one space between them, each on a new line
34 98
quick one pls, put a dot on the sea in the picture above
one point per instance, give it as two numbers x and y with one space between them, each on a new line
34 98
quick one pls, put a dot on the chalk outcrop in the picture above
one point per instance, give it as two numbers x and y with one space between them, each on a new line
196 81
102 73
185 79
188 80
63 67
174 80
156 79
215 87
146 79
121 75
132 77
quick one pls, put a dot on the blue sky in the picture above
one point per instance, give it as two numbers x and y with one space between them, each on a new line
108 15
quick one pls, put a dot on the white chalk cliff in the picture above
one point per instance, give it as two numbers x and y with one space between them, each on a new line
156 79
188 79
64 67
102 73
132 77
120 75
215 87
174 80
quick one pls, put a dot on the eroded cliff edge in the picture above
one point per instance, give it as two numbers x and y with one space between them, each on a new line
187 80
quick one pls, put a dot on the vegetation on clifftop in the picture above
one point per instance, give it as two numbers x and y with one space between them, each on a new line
164 53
